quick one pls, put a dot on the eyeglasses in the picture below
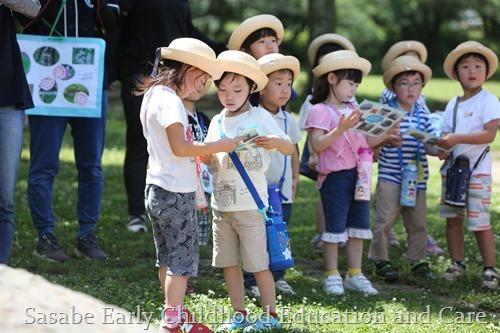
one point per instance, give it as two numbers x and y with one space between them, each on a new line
407 85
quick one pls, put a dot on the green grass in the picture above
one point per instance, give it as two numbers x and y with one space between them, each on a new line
129 278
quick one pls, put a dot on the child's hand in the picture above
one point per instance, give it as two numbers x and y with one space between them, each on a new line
268 142
395 129
206 159
346 122
448 141
443 155
395 140
227 145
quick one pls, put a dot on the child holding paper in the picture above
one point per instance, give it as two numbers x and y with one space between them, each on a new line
406 76
239 232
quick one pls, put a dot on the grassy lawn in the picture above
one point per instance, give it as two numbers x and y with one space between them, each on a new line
129 277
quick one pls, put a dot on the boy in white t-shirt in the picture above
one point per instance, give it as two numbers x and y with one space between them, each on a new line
469 125
239 233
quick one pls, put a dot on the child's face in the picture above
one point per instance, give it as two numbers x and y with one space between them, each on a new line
194 81
471 72
263 46
277 91
233 92
341 91
408 88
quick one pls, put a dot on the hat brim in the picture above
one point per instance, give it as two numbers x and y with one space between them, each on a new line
209 66
417 67
279 63
459 51
252 24
401 47
248 71
321 40
343 63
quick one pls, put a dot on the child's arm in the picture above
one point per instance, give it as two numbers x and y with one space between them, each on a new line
183 148
392 138
321 140
487 135
272 141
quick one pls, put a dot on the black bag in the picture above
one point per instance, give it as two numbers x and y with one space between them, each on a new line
457 182
457 179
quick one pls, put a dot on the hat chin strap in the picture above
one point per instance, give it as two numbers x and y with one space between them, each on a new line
154 73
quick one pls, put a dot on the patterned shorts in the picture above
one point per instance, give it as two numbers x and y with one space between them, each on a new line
477 209
175 230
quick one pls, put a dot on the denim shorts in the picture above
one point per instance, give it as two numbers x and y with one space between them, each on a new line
344 217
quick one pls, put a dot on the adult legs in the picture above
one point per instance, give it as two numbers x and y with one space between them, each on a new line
88 140
46 134
11 135
136 154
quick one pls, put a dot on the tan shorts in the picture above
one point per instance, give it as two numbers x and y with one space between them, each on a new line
240 238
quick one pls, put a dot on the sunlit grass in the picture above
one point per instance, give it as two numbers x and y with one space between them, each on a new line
129 277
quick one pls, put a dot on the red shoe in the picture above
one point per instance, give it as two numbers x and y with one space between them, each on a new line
186 325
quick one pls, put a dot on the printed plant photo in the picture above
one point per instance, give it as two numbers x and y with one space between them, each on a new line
77 94
83 56
48 90
63 72
46 56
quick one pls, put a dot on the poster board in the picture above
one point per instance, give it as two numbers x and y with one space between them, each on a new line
377 118
65 74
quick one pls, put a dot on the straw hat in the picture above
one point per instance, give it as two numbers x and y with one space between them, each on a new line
401 47
321 40
275 61
470 47
406 63
252 24
193 52
343 59
244 64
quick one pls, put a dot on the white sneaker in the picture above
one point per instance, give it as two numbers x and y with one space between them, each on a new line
253 291
284 288
360 283
333 284
453 272
490 279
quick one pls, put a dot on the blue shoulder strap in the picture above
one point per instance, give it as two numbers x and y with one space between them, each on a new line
248 182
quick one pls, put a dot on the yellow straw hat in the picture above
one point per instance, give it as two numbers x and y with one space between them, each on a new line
252 24
406 63
470 47
193 52
275 61
327 39
401 47
343 59
244 64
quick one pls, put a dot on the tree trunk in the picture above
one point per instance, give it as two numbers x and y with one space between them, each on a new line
321 17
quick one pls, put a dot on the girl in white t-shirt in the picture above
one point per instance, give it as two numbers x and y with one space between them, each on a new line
186 66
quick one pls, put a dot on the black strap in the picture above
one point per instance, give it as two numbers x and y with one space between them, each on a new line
455 115
481 157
